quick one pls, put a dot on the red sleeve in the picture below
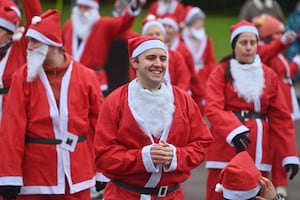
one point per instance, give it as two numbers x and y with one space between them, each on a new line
268 51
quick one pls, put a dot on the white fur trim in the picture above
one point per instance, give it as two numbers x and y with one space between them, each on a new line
150 44
11 180
101 177
243 29
234 133
171 22
240 194
42 38
89 3
219 187
153 23
290 160
7 24
36 20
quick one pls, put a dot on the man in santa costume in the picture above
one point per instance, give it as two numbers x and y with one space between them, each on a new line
247 111
12 41
87 35
47 130
151 134
174 43
201 47
177 72
159 8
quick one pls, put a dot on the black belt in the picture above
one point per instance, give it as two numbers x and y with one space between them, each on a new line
39 140
243 115
97 69
4 90
160 191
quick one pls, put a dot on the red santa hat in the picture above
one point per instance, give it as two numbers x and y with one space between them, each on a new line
242 27
8 19
138 45
170 20
151 20
46 28
12 5
268 25
240 178
90 3
191 13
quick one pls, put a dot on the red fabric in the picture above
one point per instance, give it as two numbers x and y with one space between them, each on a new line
22 117
104 31
119 141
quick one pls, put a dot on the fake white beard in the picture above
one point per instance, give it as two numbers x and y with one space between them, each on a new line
248 79
83 22
260 5
198 34
164 7
155 108
35 60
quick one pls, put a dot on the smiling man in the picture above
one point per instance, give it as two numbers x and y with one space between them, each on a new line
151 134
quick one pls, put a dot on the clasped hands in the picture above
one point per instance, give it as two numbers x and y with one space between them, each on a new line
161 153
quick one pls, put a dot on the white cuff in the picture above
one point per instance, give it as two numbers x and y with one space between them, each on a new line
173 164
290 160
11 180
234 133
100 177
147 160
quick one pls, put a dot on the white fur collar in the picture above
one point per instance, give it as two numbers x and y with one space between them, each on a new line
154 108
260 5
248 79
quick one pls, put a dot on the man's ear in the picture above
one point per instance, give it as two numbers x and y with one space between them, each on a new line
133 62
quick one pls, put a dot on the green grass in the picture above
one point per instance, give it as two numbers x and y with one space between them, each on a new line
217 25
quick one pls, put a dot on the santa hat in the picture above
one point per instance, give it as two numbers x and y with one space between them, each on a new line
8 19
170 20
193 13
240 178
46 28
151 20
242 27
12 5
268 25
90 3
138 45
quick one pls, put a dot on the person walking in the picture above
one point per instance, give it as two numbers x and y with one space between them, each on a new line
151 134
48 125
247 111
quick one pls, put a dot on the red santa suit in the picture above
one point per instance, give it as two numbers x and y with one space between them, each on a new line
92 52
159 9
223 100
204 63
47 146
123 143
10 62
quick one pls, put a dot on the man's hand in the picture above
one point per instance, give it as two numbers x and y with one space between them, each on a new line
267 189
241 142
10 191
161 153
100 185
135 4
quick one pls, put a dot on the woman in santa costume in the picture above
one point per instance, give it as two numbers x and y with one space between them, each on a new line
151 134
47 130
87 35
201 47
247 111
177 73
270 29
12 41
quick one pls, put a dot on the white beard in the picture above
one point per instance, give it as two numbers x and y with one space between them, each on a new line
198 34
260 5
83 22
155 108
35 60
248 79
